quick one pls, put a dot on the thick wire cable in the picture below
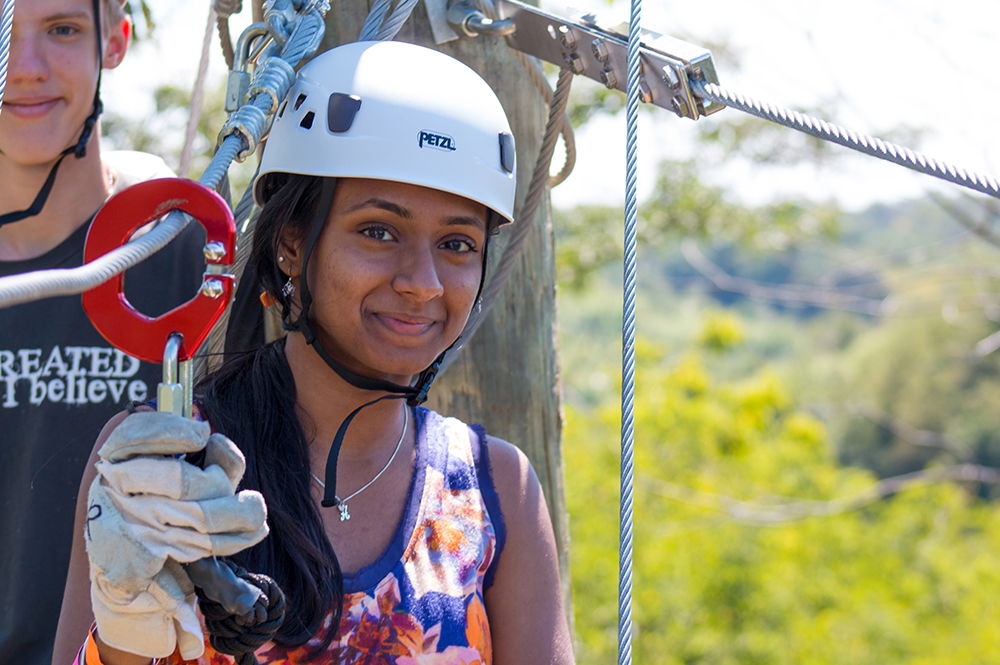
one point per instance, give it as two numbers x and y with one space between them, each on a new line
395 20
6 25
527 216
864 143
272 80
376 16
628 339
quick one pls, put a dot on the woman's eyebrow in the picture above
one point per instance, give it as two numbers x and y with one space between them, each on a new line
382 204
466 220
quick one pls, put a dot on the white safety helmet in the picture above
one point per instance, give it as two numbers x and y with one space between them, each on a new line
400 112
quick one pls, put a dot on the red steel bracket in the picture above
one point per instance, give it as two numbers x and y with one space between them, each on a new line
124 213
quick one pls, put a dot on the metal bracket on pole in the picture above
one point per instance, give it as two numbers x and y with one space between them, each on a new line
588 49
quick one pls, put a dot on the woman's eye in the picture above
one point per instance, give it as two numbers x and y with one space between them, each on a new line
458 245
377 233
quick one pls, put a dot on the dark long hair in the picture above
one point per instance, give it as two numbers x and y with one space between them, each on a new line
251 398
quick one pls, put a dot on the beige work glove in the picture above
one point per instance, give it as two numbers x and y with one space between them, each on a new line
150 511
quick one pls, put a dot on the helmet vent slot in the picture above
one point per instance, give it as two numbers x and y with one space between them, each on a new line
307 120
340 111
507 152
298 102
281 111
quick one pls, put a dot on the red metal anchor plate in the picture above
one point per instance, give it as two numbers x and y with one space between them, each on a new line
110 311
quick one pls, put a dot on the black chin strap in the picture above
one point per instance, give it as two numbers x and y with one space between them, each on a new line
79 150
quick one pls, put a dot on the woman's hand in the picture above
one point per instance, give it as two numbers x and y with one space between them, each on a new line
148 512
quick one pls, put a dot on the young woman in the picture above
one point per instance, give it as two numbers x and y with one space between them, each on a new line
387 170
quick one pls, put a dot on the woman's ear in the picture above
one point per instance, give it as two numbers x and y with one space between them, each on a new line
289 252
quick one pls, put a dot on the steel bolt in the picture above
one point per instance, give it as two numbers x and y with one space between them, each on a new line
575 63
600 50
567 37
609 78
212 288
214 251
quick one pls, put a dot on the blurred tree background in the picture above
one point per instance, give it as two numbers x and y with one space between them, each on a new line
818 438
818 457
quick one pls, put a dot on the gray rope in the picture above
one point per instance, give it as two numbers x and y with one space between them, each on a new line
628 340
241 132
864 143
197 96
526 216
224 9
536 75
6 24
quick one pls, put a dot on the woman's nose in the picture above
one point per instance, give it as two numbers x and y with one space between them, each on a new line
418 275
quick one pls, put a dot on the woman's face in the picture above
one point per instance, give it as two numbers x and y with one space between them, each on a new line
394 275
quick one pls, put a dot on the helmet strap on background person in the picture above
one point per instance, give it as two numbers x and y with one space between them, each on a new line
79 149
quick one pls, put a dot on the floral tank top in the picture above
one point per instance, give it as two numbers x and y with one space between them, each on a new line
421 602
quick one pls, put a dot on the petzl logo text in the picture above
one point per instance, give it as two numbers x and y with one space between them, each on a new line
434 140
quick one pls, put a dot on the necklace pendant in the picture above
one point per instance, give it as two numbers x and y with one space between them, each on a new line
344 515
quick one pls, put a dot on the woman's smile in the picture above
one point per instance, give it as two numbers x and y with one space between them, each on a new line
405 324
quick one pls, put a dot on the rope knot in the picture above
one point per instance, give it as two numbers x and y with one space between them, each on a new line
226 8
241 635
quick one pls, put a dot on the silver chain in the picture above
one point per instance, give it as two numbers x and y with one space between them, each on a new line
342 503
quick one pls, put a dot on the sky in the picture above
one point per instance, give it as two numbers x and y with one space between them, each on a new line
927 65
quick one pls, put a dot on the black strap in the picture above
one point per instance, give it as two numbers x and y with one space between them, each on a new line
40 198
330 489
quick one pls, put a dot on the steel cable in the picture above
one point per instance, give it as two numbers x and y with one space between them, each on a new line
374 20
628 339
6 25
246 125
394 21
864 143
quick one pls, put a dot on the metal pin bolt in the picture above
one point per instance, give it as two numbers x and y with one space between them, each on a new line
575 63
680 106
609 78
214 251
670 77
212 288
567 37
600 50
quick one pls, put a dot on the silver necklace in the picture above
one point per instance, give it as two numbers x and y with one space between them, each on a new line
342 503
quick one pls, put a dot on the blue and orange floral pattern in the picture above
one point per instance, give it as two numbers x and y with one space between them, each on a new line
422 601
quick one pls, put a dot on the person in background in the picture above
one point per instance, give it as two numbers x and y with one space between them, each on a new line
59 380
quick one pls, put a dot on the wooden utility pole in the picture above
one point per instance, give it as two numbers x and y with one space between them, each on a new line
507 377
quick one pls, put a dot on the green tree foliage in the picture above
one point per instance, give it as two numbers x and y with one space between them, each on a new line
683 205
745 551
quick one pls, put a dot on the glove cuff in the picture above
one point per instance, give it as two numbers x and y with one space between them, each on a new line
141 629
